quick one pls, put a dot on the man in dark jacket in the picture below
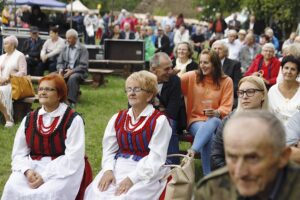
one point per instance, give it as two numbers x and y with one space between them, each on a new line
162 42
230 67
31 49
169 98
127 34
219 26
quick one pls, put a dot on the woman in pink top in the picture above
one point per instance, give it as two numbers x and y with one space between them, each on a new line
208 96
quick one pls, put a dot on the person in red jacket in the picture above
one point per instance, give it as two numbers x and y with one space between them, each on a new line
265 65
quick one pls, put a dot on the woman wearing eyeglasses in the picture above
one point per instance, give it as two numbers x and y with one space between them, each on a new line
48 152
252 94
284 97
265 65
135 145
208 95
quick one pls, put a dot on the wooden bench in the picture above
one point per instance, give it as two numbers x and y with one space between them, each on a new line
35 79
98 76
22 107
128 65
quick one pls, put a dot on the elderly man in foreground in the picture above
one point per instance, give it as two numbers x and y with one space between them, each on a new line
72 64
257 162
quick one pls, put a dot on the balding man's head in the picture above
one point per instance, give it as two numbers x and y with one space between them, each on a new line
255 151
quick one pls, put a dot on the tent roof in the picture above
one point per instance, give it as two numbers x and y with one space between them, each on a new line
47 3
77 6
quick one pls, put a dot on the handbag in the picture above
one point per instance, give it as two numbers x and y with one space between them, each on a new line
180 187
21 87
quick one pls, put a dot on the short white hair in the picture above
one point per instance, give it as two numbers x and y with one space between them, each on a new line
72 32
269 45
231 31
222 43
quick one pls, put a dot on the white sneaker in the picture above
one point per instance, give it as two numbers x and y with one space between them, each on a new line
9 124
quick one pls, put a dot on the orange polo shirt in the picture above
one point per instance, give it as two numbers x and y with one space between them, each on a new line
194 93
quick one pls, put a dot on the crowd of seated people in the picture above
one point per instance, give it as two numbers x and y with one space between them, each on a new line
237 75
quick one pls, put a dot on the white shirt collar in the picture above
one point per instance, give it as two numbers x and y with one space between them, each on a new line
58 112
222 61
146 112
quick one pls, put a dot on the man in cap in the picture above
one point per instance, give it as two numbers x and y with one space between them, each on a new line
31 49
257 162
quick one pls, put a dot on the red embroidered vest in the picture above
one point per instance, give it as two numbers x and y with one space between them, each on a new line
134 142
52 144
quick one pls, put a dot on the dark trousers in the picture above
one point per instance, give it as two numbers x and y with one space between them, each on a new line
34 66
50 65
73 84
174 144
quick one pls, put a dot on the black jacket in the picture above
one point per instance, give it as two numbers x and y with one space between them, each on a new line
131 35
171 98
232 68
165 45
217 147
33 49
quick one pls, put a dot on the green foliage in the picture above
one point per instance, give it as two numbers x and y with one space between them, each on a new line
284 13
161 11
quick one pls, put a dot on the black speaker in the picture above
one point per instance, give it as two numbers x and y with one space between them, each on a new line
124 50
95 52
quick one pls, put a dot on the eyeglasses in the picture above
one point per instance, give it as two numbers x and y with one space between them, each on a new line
46 89
135 90
249 92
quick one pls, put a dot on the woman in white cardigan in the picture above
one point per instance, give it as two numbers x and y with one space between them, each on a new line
13 62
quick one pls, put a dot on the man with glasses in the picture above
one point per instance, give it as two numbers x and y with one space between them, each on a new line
169 98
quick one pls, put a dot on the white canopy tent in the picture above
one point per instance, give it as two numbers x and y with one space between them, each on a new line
77 6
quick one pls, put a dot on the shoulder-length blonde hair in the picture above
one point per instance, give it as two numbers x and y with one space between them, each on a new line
260 84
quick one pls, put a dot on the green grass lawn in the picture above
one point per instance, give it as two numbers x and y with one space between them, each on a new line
96 107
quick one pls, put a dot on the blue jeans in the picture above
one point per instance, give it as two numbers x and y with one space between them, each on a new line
174 144
203 132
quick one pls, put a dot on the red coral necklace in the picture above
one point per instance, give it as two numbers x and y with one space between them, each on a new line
134 126
47 129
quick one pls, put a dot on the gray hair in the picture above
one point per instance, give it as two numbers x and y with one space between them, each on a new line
12 40
156 59
276 131
231 31
294 50
269 45
72 32
222 43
